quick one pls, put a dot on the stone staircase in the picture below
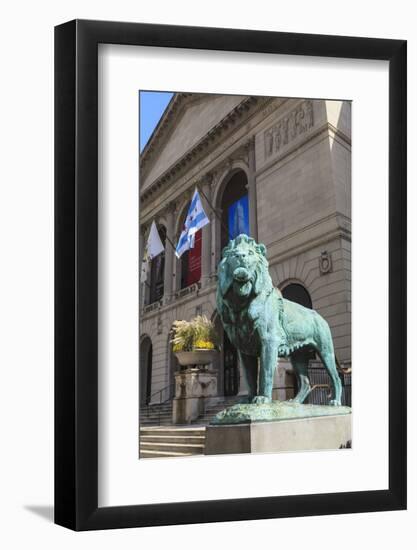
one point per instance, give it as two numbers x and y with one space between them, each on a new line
159 438
212 410
171 441
156 415
161 414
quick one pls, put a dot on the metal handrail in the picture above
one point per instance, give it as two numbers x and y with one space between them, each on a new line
160 402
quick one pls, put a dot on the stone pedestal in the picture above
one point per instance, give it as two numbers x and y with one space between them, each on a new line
303 433
284 382
192 387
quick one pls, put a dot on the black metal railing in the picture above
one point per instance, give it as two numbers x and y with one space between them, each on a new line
320 392
321 386
165 394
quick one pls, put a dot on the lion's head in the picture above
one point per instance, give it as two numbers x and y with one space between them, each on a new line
243 268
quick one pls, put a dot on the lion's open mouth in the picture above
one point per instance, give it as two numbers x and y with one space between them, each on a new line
242 282
241 275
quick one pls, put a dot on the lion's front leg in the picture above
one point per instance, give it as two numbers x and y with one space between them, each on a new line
268 364
250 369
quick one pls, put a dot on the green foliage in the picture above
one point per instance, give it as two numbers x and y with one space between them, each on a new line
199 333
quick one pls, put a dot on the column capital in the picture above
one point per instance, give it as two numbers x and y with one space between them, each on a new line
170 208
249 143
207 180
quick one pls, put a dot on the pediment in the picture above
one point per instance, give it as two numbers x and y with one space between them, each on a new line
182 130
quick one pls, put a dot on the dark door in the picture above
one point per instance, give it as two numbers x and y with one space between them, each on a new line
231 369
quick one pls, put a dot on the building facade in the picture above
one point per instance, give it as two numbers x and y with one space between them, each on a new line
277 168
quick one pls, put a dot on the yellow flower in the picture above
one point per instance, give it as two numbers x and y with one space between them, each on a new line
203 344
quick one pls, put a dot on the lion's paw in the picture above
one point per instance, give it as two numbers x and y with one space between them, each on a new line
335 403
261 399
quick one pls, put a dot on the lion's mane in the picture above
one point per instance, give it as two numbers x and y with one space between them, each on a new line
262 285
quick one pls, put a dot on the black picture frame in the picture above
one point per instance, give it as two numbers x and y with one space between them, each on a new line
76 272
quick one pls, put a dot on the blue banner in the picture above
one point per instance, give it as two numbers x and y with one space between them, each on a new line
238 217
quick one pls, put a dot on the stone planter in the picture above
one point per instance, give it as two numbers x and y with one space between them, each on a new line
196 357
192 387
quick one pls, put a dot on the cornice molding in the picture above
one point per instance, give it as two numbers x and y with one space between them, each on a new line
160 133
205 144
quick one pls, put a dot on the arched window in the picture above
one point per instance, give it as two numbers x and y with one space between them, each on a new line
145 370
235 208
297 293
157 271
191 259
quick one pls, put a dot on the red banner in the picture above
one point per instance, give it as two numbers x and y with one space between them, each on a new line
194 261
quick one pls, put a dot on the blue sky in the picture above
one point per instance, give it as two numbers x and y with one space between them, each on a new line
151 107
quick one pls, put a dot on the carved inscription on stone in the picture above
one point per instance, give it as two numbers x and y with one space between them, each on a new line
288 128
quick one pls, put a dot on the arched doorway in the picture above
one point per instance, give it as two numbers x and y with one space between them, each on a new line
230 367
145 379
157 271
297 293
234 206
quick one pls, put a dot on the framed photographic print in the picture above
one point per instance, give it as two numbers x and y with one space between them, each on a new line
230 275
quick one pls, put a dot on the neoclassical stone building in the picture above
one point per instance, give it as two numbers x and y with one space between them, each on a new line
286 165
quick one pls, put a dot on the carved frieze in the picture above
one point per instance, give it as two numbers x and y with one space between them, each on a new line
289 127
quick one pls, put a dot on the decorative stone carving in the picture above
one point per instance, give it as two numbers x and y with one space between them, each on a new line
289 127
192 387
325 263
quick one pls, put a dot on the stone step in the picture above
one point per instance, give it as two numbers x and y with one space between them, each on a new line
198 439
170 431
191 448
164 441
155 411
163 454
156 408
156 417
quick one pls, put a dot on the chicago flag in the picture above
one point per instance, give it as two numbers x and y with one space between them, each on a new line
195 220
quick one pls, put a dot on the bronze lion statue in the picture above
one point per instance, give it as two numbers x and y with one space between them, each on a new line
262 324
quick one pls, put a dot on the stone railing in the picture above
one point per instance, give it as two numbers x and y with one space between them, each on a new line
152 307
195 287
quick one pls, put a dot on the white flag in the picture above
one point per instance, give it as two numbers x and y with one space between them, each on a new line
153 247
195 220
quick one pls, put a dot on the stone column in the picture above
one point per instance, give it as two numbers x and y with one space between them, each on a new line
253 208
206 251
144 287
215 240
141 251
169 254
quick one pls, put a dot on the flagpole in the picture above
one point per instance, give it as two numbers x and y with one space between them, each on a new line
170 242
212 208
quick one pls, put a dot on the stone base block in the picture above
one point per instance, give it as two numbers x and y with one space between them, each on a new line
299 434
187 409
